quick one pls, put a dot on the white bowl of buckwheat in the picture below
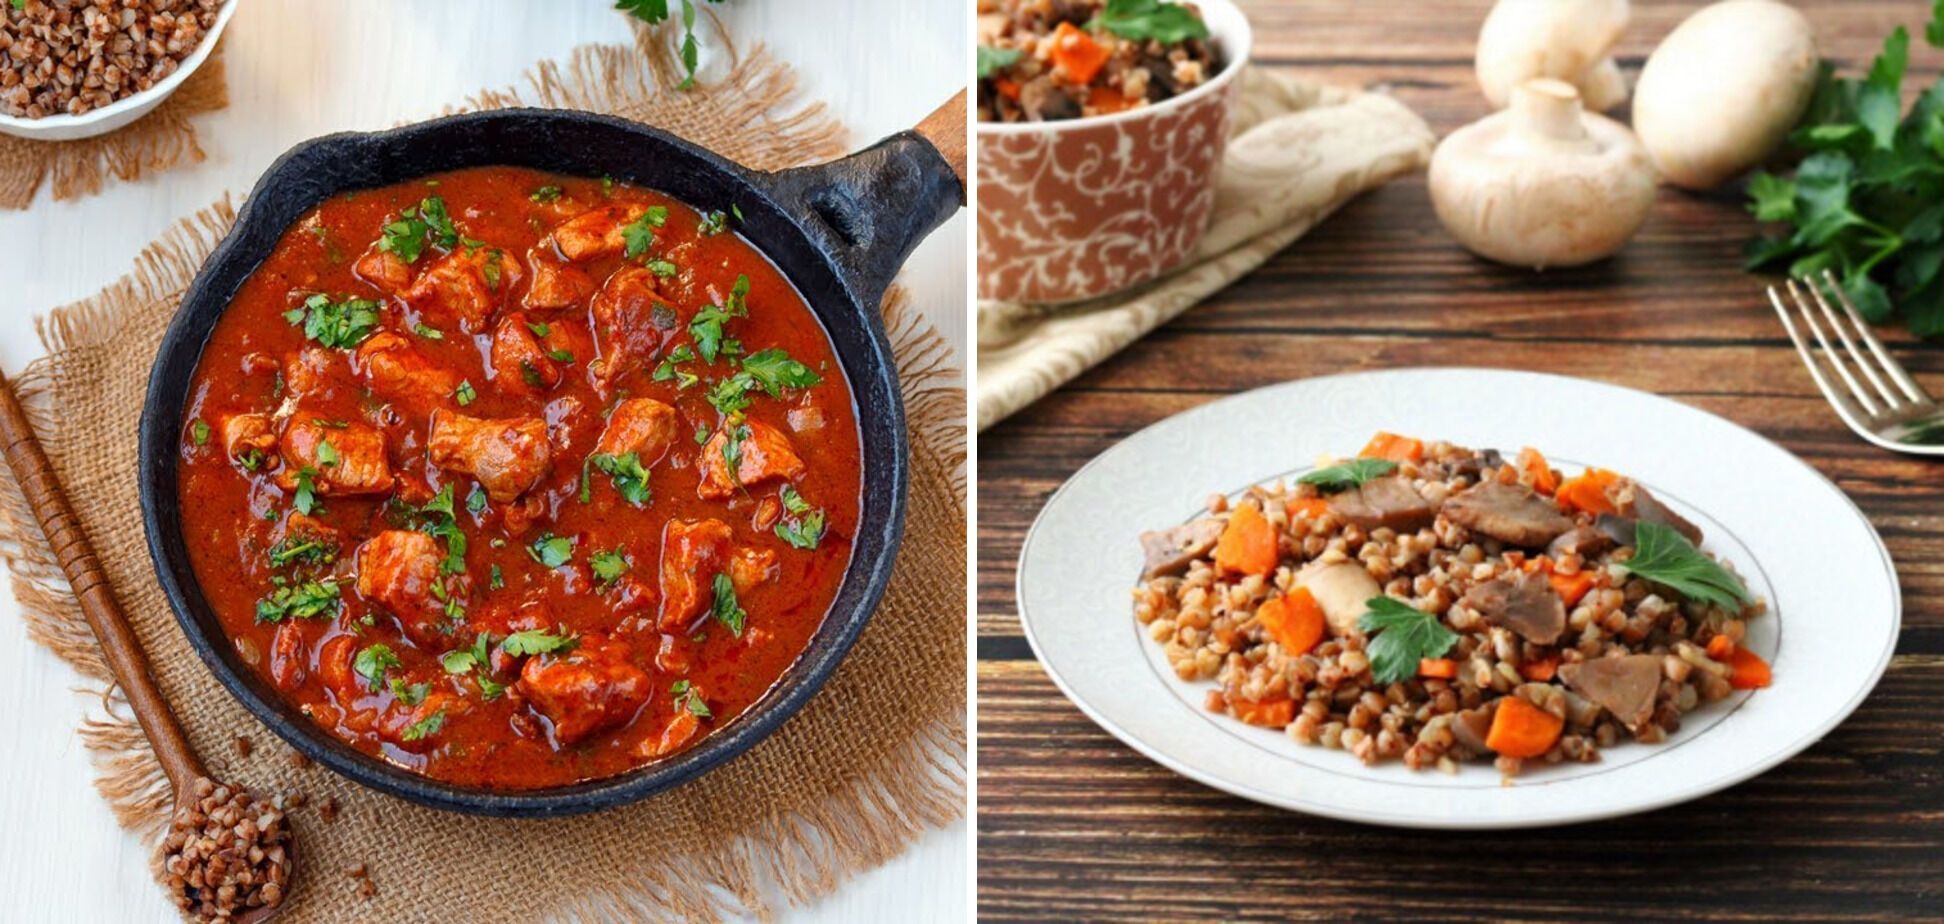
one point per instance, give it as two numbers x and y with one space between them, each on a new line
79 68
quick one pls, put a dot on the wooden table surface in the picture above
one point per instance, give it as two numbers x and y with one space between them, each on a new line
1073 824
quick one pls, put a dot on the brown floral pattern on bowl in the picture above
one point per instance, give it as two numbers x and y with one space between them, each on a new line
1076 210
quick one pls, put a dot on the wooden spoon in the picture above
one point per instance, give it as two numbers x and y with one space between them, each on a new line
123 651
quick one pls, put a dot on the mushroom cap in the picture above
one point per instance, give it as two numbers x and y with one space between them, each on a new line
1542 183
1723 89
1564 39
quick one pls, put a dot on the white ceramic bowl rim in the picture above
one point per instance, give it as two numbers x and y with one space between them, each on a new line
162 89
1229 27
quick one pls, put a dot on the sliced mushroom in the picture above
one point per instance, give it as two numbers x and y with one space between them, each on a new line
1472 725
1625 685
1342 589
1618 528
1584 541
1510 513
1525 603
1168 551
1643 505
1388 502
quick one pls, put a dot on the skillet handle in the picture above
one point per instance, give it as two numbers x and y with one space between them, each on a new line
870 210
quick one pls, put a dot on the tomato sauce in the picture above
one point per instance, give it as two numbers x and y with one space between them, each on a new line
515 479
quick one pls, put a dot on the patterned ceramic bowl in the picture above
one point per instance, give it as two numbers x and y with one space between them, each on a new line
1080 208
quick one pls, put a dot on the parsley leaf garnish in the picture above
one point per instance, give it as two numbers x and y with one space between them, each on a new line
655 11
688 698
429 725
535 642
372 662
545 194
303 550
199 432
993 60
712 224
1664 556
341 325
306 498
609 566
428 332
1401 636
630 478
806 527
1346 475
465 394
774 370
551 550
308 600
727 610
1141 20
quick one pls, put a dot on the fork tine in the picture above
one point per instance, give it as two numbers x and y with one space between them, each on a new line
1890 366
1829 352
1836 398
1856 355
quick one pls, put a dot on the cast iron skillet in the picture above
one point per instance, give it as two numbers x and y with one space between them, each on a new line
839 231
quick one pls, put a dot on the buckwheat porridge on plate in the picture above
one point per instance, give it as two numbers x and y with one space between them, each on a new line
1435 604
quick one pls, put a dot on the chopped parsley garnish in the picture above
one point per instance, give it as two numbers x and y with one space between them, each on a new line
535 642
630 478
662 268
465 394
302 550
491 269
1346 475
551 550
442 523
655 11
539 328
306 499
199 432
712 224
609 566
1399 637
1144 20
639 235
727 610
701 434
429 725
772 370
531 375
478 661
327 455
545 194
372 663
341 325
561 356
1664 556
804 528
994 60
411 694
308 600
689 699
428 332
476 500
681 353
706 328
416 226
498 580
732 450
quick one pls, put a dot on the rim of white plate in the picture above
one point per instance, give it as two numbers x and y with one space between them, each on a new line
1533 801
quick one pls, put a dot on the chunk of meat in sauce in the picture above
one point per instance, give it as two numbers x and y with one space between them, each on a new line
308 371
630 325
414 728
289 655
555 284
383 270
1169 551
464 286
335 667
1388 502
397 370
643 426
1510 513
249 436
596 233
355 463
396 570
1526 604
693 553
751 567
520 362
680 728
764 453
1626 685
508 456
589 689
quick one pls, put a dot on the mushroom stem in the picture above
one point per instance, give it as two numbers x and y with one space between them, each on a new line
1550 109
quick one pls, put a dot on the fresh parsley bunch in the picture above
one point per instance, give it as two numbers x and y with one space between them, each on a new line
1867 203
654 12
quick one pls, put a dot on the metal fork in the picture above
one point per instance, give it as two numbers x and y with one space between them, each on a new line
1894 412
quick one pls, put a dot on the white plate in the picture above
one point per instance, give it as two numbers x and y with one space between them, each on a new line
1834 605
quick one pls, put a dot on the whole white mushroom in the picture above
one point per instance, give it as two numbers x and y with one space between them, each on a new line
1564 39
1723 89
1543 183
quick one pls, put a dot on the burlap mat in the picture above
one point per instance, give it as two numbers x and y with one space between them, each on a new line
1297 151
874 760
162 140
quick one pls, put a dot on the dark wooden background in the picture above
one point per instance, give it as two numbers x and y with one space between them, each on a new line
1074 825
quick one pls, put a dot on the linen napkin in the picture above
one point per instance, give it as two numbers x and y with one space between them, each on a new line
1297 151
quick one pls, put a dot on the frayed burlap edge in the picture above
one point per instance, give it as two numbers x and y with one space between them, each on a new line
162 140
802 854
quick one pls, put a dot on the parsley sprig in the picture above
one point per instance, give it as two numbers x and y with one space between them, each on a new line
656 11
1141 20
341 325
1664 556
727 611
1399 637
1867 204
306 600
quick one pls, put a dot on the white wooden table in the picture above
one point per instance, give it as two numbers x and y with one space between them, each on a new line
300 68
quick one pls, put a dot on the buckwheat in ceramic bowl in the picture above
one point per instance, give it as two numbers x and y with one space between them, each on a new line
1076 208
81 69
